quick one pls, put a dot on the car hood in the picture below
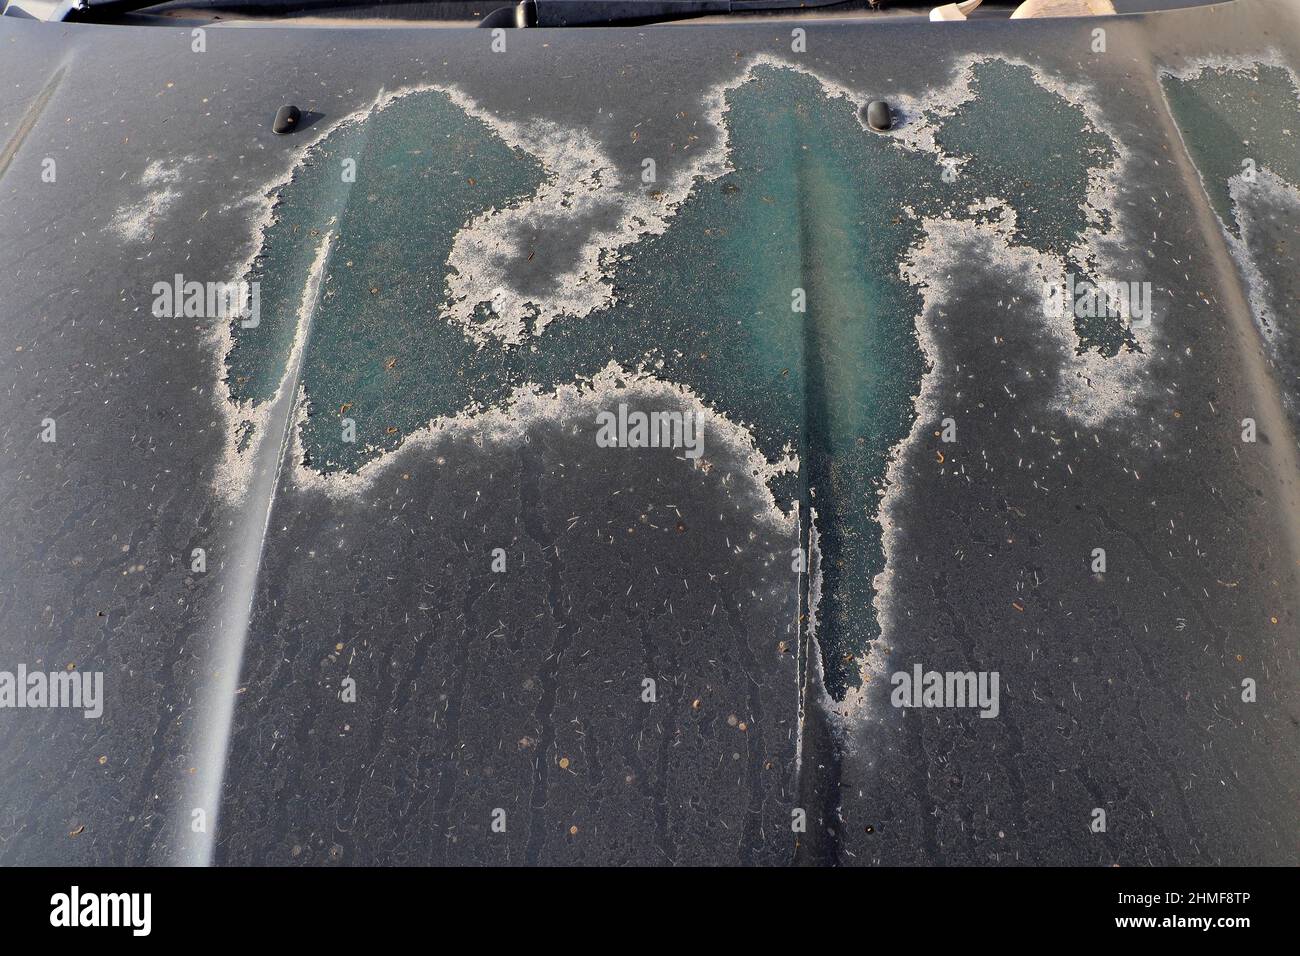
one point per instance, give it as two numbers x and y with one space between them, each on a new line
593 445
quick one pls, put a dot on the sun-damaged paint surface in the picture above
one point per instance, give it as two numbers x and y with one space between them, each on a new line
370 566
774 295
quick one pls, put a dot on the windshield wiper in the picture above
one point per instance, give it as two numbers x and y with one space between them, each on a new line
598 13
525 13
101 10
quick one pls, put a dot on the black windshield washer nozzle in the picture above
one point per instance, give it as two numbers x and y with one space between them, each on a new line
286 119
878 116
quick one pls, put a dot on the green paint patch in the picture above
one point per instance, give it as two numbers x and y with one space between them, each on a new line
1235 118
394 189
1030 148
1034 150
814 202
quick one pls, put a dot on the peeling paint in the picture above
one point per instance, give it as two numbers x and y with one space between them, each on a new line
501 392
1230 112
134 222
574 405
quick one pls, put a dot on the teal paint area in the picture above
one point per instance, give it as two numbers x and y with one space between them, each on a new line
1228 117
393 189
814 202
1034 150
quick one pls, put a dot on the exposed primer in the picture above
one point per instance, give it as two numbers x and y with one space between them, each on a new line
814 572
1248 200
854 706
590 184
134 222
809 649
815 665
528 406
583 185
1092 394
1251 204
480 250
1091 388
241 418
1194 67
247 421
